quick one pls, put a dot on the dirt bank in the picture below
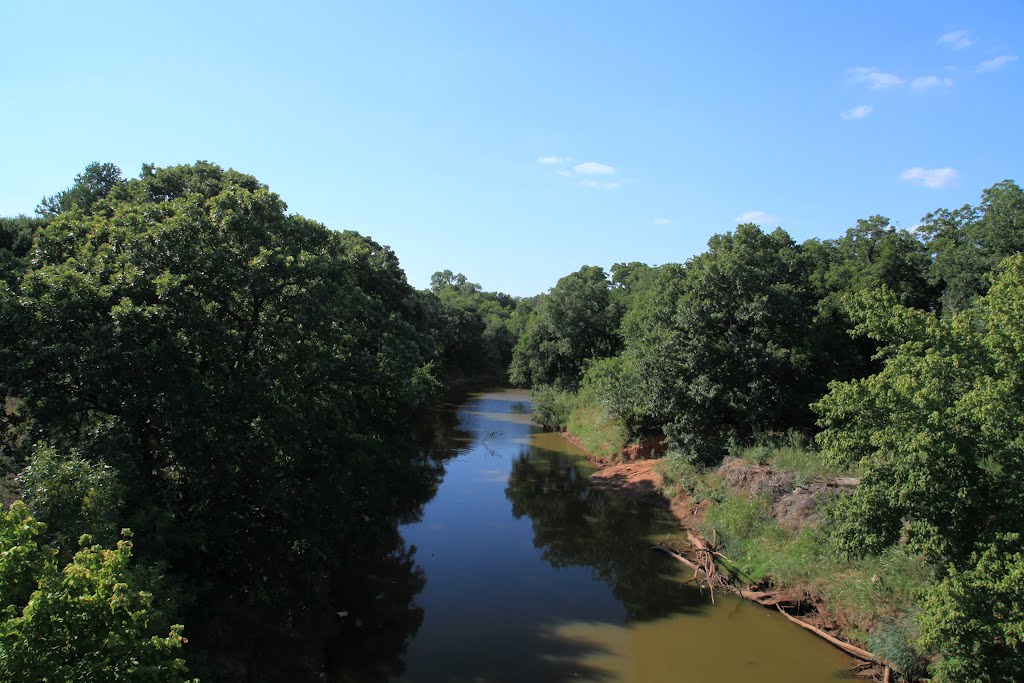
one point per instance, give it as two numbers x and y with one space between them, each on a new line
794 506
640 481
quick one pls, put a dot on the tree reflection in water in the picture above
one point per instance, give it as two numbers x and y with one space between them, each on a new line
576 525
337 603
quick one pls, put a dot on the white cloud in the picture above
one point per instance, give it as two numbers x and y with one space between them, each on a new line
759 217
996 63
923 83
957 40
600 184
593 168
876 79
934 178
658 220
858 112
585 174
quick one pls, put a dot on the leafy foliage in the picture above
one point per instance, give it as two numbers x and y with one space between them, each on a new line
937 431
225 375
89 621
975 617
731 358
95 183
551 407
576 322
72 496
968 243
472 330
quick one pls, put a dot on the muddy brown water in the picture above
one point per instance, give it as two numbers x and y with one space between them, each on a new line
533 576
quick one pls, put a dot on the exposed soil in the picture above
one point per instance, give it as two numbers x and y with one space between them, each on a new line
756 480
651 447
800 507
793 506
640 480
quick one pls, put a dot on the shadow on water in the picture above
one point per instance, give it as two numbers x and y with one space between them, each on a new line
353 626
577 525
325 589
515 568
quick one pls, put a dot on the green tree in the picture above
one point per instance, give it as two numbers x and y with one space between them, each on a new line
88 621
967 244
727 355
15 241
576 322
937 433
470 327
220 354
871 255
974 618
95 183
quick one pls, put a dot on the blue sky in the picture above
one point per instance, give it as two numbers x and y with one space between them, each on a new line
518 141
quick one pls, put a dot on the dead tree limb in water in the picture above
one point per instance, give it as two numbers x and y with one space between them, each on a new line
705 564
849 649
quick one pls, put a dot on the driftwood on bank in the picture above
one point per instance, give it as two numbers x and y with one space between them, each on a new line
849 649
710 576
704 563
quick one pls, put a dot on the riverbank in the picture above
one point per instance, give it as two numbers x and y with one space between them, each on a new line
759 527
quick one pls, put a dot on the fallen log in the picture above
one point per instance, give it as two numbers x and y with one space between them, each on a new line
849 649
763 598
706 556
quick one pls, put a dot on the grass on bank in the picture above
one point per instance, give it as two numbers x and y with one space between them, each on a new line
585 417
791 452
873 598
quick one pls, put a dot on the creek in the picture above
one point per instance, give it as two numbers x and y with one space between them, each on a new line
529 574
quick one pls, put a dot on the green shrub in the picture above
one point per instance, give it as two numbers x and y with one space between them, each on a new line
974 617
680 473
601 434
551 407
895 640
615 382
89 620
72 496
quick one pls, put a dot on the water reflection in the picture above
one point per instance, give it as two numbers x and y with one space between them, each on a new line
490 560
576 525
337 602
554 581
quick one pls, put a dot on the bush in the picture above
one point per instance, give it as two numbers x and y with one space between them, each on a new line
974 617
72 496
551 407
601 434
88 621
680 473
615 382
895 640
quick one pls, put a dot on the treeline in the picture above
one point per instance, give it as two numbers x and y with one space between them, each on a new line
181 357
902 352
